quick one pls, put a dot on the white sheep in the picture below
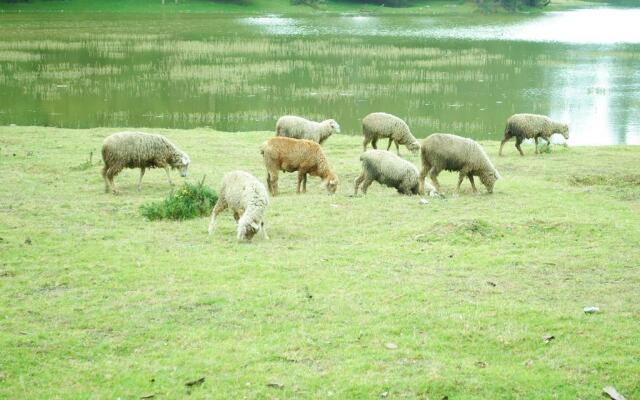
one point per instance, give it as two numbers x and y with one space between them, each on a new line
390 170
382 125
247 197
301 128
140 150
442 151
527 126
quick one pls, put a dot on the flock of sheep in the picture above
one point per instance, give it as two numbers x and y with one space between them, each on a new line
297 148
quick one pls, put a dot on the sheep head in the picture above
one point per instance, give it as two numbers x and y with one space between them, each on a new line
334 125
181 162
489 179
414 147
248 229
332 184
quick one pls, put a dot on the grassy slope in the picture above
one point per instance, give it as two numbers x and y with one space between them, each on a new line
426 7
103 302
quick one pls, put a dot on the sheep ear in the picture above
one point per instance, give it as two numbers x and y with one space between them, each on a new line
255 226
185 160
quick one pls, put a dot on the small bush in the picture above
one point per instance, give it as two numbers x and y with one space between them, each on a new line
189 201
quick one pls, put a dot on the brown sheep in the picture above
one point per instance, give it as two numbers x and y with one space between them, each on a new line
289 155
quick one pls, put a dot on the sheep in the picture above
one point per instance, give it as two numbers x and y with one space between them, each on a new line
454 153
140 150
289 155
390 170
248 199
300 128
382 125
527 126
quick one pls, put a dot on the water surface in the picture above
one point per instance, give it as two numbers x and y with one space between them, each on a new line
464 75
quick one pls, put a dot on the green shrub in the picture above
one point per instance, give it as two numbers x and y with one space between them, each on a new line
186 202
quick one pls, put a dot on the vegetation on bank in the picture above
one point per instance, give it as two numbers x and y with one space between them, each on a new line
476 296
186 202
293 6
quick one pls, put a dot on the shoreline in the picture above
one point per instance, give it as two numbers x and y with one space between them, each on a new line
111 129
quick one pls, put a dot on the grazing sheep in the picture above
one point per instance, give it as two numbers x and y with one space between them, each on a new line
140 150
454 153
382 125
388 169
527 126
300 128
247 198
289 155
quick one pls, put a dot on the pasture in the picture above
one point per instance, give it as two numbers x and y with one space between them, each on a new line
352 297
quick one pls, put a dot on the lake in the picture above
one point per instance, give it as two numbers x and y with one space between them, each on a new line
462 75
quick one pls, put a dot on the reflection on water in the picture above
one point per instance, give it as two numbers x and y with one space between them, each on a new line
592 26
241 73
601 26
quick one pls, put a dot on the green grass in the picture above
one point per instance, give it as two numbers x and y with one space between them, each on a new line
187 202
353 297
426 7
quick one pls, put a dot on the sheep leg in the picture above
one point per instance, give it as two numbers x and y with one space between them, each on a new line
269 183
365 143
423 175
397 147
473 184
304 184
220 206
274 184
140 179
535 139
107 186
518 143
166 169
357 183
433 175
460 179
374 143
301 176
366 185
389 144
263 230
505 140
111 173
237 214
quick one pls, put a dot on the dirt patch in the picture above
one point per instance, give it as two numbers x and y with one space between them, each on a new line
605 180
467 230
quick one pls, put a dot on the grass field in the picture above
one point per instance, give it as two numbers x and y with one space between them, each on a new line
353 297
